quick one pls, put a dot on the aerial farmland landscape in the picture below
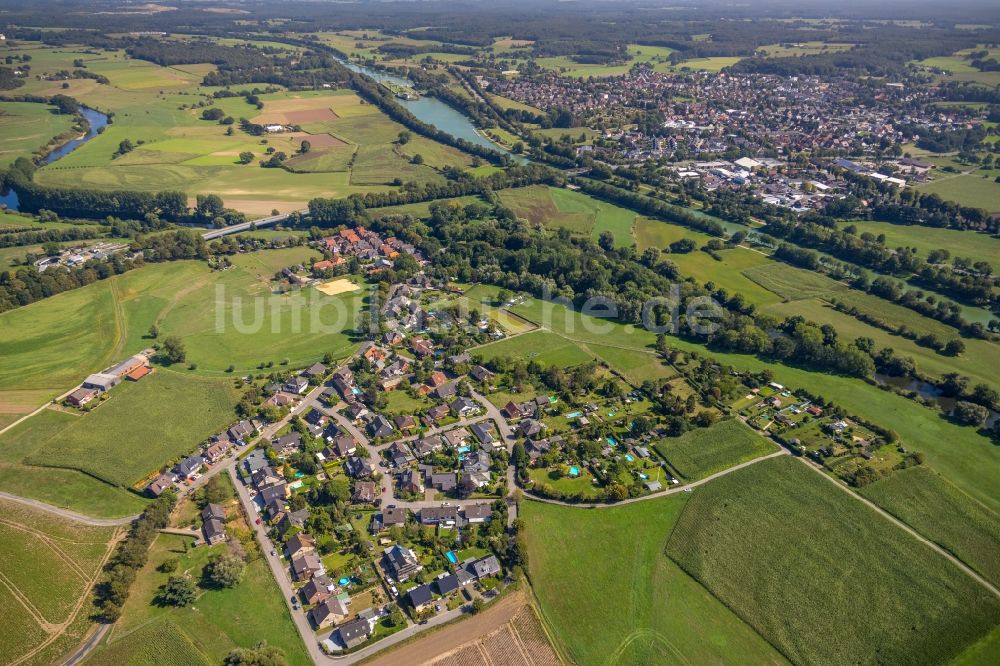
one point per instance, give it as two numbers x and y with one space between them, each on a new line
609 332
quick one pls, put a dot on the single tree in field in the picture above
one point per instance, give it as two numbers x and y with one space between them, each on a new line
418 159
404 138
246 157
225 570
154 331
305 147
178 591
173 349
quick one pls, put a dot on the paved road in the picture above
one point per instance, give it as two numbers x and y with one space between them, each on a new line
66 513
87 646
278 569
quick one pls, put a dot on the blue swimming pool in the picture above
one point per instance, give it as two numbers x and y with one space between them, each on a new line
574 415
451 557
612 441
344 581
463 449
574 471
628 457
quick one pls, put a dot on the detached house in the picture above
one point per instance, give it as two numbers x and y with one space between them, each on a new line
420 597
190 466
299 544
380 427
358 467
213 525
306 566
331 611
462 407
317 590
355 632
401 562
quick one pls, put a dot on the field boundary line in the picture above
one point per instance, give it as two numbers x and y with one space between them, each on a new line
59 552
23 599
912 532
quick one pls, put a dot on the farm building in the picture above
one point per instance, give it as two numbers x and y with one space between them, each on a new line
82 396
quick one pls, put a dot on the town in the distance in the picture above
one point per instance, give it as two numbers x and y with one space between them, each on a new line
499 334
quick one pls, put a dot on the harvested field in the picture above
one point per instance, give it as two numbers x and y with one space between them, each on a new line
319 140
309 116
296 110
507 633
519 642
339 286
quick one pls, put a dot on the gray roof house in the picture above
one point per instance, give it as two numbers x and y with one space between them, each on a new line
355 632
190 465
487 566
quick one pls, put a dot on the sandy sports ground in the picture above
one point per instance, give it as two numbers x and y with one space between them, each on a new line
338 286
506 633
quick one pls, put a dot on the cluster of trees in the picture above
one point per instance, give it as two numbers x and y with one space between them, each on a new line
167 53
974 286
87 203
9 80
113 590
27 285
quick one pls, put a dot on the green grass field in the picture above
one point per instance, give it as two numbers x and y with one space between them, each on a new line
25 127
704 451
639 606
967 189
654 233
140 427
67 488
976 362
793 283
786 551
217 622
542 346
228 318
579 213
732 273
976 246
46 565
943 513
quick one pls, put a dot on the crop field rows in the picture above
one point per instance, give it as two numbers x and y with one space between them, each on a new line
735 531
47 567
